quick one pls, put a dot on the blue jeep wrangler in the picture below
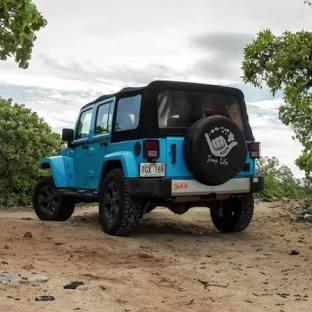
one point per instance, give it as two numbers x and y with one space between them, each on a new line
172 144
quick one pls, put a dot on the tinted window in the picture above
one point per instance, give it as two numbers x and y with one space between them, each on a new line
180 109
84 124
103 119
128 113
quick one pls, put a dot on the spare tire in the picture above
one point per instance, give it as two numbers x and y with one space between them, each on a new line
215 149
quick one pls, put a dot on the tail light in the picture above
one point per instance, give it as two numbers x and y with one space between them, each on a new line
210 112
254 148
151 149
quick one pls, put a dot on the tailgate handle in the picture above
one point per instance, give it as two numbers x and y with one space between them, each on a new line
173 153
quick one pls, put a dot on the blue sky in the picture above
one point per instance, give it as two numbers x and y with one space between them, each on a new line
93 47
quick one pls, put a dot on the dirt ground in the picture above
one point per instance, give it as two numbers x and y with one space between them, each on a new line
172 263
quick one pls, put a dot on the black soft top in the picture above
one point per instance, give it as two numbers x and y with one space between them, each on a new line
171 85
148 124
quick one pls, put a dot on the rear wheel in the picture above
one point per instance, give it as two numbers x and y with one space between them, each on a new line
48 204
119 213
232 215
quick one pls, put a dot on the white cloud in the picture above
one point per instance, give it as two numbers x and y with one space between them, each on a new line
276 139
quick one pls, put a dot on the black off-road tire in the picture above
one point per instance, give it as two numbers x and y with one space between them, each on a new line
232 215
149 207
119 213
48 204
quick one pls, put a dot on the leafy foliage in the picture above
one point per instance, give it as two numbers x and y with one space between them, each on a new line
278 180
19 20
24 140
308 2
285 63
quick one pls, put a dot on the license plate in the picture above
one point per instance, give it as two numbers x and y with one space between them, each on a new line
152 170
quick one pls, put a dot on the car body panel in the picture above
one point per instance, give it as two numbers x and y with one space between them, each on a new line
62 170
100 152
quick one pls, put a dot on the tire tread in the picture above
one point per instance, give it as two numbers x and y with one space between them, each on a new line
130 212
244 219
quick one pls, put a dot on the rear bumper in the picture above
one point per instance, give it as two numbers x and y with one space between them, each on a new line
164 188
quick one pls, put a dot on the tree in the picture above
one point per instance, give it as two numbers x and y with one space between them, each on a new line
24 140
279 181
19 20
285 63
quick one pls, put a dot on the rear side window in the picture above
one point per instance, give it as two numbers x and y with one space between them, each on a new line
103 119
128 113
84 124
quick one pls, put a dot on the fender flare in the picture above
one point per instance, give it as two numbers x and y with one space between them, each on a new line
127 160
62 170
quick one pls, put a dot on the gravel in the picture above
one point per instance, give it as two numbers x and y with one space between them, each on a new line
10 278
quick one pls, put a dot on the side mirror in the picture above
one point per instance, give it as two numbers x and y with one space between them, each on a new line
68 136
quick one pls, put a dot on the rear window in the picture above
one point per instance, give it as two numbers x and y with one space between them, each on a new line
180 109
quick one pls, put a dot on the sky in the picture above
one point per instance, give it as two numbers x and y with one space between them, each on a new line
96 47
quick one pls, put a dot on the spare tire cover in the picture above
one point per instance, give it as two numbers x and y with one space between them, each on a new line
215 150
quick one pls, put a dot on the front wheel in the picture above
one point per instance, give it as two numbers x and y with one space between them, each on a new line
119 213
232 215
48 204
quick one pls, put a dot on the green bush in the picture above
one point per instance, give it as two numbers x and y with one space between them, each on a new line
279 181
24 140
